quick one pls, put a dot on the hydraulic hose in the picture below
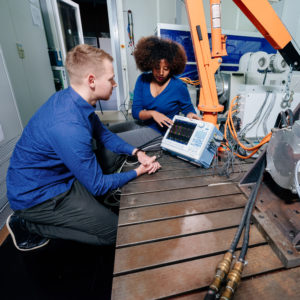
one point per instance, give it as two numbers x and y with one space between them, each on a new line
249 206
234 277
252 199
223 268
240 228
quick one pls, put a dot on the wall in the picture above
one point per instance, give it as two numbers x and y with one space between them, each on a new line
290 17
31 77
233 19
146 14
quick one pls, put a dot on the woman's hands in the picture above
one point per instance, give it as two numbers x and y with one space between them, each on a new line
193 116
161 119
158 117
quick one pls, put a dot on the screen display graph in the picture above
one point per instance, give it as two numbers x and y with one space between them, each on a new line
181 131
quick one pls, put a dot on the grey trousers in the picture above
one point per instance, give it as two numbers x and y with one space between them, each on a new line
74 215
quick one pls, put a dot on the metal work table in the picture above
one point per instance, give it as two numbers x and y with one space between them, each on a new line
175 226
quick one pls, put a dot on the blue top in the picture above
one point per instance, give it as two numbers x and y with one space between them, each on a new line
56 147
173 99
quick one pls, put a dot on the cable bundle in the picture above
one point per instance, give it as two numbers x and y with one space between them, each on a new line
229 126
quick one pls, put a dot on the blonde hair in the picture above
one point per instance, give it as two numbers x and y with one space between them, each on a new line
83 59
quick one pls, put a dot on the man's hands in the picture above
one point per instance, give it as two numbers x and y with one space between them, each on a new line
152 168
148 164
161 119
143 158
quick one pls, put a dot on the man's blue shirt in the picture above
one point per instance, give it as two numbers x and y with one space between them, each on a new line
173 99
56 148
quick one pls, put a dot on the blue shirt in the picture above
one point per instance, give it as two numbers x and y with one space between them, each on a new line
173 99
56 147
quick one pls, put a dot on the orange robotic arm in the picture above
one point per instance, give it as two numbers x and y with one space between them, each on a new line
261 14
265 19
206 65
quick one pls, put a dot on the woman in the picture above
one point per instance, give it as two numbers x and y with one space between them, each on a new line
158 94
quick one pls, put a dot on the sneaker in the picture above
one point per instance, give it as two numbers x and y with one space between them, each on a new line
22 238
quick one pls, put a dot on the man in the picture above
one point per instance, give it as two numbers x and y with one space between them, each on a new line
54 176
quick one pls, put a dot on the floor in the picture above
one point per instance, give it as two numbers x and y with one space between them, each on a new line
61 270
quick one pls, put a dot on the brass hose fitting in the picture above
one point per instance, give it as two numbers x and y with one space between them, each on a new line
221 271
233 280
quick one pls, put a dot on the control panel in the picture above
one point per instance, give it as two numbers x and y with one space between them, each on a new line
193 140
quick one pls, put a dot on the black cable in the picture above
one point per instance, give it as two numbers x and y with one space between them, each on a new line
251 200
240 228
149 142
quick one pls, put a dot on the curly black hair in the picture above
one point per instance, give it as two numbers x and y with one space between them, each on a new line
150 50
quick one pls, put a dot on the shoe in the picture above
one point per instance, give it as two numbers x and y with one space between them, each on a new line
22 238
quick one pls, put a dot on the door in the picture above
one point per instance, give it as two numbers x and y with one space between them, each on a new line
67 16
63 29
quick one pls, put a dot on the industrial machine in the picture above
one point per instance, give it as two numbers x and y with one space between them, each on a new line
277 209
192 140
268 87
261 14
275 96
268 77
283 156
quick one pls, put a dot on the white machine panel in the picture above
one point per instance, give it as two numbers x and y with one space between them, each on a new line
192 140
251 102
